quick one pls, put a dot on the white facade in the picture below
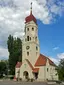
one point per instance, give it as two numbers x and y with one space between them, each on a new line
47 72
25 67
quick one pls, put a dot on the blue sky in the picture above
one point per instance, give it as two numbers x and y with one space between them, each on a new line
50 19
51 37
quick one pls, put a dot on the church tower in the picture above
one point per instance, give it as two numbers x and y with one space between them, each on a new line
30 45
34 65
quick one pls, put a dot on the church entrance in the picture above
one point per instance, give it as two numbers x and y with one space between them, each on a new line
36 75
25 74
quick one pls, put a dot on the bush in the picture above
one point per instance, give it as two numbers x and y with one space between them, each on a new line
11 78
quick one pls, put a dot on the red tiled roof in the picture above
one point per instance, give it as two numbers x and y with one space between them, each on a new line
30 18
33 69
18 64
41 61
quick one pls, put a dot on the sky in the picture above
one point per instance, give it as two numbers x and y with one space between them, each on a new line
50 19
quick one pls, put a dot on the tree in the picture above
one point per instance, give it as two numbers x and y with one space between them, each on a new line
15 52
3 69
61 70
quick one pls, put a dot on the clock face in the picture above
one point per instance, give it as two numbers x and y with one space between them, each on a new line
27 47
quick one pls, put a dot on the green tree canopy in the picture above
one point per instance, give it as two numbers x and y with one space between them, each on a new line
61 69
2 68
15 52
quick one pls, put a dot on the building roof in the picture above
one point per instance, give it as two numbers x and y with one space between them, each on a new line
41 61
18 64
33 69
30 18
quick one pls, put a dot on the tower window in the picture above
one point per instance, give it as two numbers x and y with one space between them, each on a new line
27 53
27 38
27 29
32 29
36 48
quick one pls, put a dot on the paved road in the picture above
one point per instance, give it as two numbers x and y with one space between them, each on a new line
22 83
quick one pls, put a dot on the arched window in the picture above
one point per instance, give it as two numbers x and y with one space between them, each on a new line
27 53
36 48
47 69
36 38
32 29
27 38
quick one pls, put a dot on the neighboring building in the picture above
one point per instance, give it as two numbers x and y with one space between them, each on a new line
34 65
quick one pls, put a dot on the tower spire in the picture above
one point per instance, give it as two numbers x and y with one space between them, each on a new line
31 8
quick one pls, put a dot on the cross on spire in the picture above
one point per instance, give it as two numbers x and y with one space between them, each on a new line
31 8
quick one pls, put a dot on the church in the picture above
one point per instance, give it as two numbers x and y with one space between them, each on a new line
34 65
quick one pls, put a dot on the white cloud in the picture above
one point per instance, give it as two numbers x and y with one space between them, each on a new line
13 13
56 61
60 55
18 35
3 53
55 48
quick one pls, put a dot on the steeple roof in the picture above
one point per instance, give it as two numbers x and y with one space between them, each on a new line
30 17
